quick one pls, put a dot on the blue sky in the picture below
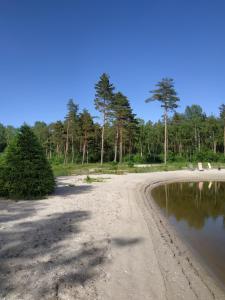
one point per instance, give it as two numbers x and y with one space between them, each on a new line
55 50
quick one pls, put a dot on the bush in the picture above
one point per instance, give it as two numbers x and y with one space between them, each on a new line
205 155
130 164
25 173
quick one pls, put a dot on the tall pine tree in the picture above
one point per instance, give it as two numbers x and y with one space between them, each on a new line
165 93
103 99
222 116
122 114
71 122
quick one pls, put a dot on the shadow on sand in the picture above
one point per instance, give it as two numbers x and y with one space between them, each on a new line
44 258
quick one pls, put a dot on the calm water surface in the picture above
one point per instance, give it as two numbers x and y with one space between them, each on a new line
197 210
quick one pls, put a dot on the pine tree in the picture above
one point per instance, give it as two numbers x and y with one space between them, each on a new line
86 125
58 137
122 114
3 141
71 128
222 116
195 115
26 173
104 94
167 96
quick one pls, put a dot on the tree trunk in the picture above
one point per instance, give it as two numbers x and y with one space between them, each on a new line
196 138
57 149
116 144
214 146
165 137
102 144
84 151
84 147
141 152
87 156
72 150
121 145
224 140
130 146
199 142
67 144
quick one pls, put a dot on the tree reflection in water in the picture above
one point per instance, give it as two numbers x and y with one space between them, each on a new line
193 202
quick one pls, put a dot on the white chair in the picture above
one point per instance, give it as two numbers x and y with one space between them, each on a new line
209 166
200 168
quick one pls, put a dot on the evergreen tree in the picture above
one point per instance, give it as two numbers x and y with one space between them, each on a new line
58 137
222 116
104 94
195 115
165 93
26 173
3 140
86 125
122 116
71 123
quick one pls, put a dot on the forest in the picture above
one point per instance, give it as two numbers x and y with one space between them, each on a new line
120 136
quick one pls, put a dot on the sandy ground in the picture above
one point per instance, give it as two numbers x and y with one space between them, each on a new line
105 240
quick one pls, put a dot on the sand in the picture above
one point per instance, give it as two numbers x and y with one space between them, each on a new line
105 240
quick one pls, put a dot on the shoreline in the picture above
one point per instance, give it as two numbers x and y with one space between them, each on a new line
100 241
183 252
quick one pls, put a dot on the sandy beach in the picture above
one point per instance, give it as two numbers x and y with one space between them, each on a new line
105 240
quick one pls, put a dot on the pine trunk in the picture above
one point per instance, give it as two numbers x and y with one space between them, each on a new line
84 151
67 144
116 144
165 137
72 150
214 146
121 145
102 143
224 139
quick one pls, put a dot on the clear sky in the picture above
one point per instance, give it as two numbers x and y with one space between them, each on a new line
54 50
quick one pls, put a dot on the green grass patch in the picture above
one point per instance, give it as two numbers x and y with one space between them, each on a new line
90 179
120 169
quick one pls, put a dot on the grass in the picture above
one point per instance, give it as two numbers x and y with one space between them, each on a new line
90 179
120 169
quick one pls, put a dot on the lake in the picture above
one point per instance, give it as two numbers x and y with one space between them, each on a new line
197 211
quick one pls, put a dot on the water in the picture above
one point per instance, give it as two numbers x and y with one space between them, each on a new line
197 210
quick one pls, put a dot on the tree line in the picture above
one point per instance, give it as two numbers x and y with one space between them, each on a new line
121 136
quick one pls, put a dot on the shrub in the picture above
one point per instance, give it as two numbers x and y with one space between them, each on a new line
26 173
130 164
206 155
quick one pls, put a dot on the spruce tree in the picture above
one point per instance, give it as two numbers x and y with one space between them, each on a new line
26 173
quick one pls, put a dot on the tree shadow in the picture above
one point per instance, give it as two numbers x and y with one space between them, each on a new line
65 188
29 250
43 257
122 242
13 211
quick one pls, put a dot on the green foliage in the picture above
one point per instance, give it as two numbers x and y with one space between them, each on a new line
166 94
130 164
205 155
26 173
90 179
104 94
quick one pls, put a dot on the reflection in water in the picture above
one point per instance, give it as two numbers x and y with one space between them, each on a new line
192 202
197 210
